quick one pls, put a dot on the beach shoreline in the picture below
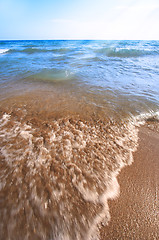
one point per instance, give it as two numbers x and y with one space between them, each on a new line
70 112
134 213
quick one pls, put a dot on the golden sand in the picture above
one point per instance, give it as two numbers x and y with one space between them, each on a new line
135 214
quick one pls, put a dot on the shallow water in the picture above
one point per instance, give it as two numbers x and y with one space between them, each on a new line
69 118
57 174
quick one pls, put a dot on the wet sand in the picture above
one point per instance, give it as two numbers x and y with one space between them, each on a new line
33 125
135 214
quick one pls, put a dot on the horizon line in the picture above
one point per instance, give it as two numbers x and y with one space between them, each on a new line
78 39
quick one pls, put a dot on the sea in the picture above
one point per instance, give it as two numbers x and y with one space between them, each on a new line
70 112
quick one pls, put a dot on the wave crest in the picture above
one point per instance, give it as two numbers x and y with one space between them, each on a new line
33 50
124 52
2 51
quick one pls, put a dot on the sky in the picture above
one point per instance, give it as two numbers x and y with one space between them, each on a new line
79 19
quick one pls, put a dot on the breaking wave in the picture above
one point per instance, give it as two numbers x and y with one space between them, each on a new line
107 51
125 52
2 51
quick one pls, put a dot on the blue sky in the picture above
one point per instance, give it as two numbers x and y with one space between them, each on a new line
79 19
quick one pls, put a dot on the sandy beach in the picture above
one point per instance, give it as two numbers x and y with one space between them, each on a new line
69 117
135 214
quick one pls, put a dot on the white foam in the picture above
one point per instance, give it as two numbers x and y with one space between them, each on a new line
4 120
141 118
25 134
73 158
2 51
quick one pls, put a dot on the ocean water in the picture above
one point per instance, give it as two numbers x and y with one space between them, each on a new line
69 118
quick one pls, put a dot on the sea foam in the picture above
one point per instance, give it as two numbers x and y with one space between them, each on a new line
59 174
2 51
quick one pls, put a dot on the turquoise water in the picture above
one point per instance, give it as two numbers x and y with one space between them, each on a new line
69 118
122 69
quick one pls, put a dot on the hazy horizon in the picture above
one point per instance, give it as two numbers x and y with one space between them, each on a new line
74 20
82 39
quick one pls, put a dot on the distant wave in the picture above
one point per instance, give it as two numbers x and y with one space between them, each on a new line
125 52
32 50
3 43
28 50
109 52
